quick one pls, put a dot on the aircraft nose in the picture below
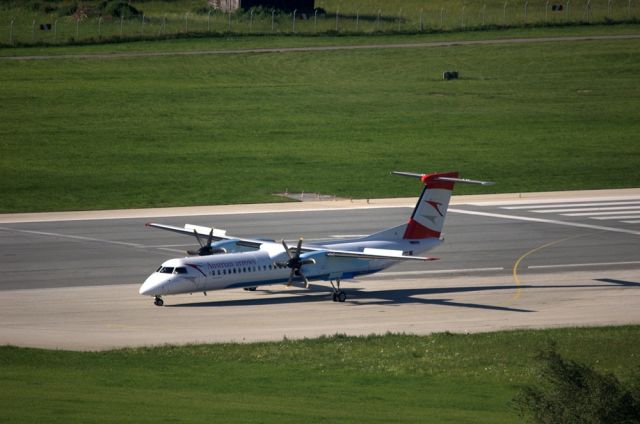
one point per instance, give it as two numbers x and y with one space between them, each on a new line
152 286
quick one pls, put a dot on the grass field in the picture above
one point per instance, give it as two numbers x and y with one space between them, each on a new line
138 132
20 20
393 378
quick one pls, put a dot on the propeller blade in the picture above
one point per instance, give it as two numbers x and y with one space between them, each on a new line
299 247
286 249
195 233
210 238
304 277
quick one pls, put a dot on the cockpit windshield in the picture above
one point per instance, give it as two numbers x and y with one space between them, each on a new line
172 270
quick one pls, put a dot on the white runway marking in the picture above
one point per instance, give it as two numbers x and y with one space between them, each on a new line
600 213
553 202
631 222
569 205
583 265
79 238
546 221
612 208
637 216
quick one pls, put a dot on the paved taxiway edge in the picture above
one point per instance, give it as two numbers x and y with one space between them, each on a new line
483 199
107 317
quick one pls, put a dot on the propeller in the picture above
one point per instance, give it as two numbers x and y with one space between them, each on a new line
296 263
205 248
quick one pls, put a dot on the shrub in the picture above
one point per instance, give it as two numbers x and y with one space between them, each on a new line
118 8
575 393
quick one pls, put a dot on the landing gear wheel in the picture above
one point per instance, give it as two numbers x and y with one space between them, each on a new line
338 295
158 301
250 288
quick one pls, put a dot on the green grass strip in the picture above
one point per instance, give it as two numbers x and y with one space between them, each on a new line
393 378
143 132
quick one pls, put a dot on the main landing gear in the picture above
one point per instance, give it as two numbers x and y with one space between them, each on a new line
338 295
158 301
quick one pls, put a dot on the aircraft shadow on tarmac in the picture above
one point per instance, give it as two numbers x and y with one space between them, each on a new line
357 296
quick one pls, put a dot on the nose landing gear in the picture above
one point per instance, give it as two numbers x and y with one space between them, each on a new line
158 301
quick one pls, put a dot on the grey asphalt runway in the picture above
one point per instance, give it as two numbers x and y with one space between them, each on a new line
506 263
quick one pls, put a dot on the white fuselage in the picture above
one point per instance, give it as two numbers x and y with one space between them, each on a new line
261 267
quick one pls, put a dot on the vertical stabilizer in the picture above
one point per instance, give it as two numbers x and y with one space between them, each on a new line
428 216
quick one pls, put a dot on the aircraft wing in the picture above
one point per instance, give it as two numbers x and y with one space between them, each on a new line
214 233
359 255
217 234
369 253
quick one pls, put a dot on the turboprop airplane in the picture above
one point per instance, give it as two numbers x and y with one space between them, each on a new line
226 262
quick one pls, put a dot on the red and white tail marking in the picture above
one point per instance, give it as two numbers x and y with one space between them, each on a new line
429 214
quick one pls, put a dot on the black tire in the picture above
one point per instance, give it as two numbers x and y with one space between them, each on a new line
342 296
335 297
158 302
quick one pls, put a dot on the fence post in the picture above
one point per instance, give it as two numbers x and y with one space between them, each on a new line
209 21
77 27
55 30
588 11
186 22
484 10
121 18
273 17
229 23
504 13
337 17
462 20
164 24
566 12
33 31
526 6
142 26
399 18
251 20
357 19
378 21
546 12
315 20
293 23
441 17
629 9
421 22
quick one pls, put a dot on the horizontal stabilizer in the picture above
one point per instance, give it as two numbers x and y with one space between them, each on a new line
439 178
